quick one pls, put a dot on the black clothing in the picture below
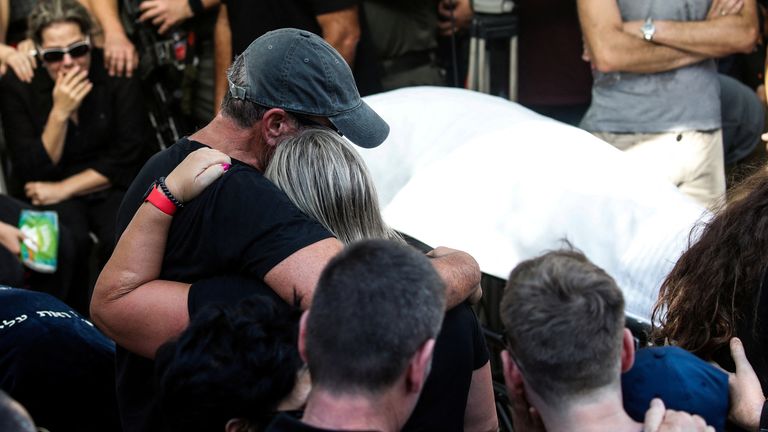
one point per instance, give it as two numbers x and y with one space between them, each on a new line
240 225
286 423
226 290
17 21
56 364
110 136
752 329
250 19
14 273
459 350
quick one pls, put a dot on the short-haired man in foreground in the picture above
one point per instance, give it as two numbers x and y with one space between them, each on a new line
368 339
567 347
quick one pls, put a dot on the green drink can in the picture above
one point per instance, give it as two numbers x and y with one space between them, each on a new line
40 248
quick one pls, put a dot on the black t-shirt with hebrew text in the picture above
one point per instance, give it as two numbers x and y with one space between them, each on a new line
56 363
241 224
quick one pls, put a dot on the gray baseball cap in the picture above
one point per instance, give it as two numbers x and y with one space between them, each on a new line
298 71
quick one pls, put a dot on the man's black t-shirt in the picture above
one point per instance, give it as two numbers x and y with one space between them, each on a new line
241 224
460 349
250 19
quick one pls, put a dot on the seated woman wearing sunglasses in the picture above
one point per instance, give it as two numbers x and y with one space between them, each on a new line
76 135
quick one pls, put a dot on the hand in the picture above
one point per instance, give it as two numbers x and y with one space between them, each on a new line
196 172
165 13
746 394
476 295
660 419
11 238
721 8
441 251
462 16
22 63
120 56
46 193
70 90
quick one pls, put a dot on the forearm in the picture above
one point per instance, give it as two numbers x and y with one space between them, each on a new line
85 182
621 52
341 30
611 49
147 317
54 133
106 13
5 51
138 255
222 55
711 38
461 275
480 412
5 16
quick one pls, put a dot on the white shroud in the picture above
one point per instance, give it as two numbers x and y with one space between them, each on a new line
487 176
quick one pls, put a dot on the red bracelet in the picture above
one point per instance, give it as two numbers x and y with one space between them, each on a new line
158 199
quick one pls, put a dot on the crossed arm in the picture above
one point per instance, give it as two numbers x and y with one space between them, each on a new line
614 45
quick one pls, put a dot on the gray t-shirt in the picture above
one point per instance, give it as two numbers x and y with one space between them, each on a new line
687 98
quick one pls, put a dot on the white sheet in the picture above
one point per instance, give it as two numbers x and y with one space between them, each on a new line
485 175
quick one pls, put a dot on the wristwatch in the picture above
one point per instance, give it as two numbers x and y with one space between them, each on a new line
159 196
648 29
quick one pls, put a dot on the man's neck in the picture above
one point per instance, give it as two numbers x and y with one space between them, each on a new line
224 135
602 413
353 412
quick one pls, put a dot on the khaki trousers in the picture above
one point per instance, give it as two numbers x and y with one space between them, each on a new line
692 160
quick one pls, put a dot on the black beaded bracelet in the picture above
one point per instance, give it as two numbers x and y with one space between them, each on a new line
196 6
168 194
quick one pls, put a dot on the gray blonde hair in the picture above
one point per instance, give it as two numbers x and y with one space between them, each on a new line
48 12
328 181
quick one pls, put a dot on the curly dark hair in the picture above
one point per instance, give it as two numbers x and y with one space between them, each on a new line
231 362
715 284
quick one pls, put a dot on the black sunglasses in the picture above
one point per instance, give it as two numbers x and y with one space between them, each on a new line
76 50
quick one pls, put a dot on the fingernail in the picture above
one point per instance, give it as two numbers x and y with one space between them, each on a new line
225 166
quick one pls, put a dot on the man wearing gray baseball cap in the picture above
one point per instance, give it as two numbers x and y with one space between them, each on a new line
242 225
297 71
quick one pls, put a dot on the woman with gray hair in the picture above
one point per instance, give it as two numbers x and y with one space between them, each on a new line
327 180
76 135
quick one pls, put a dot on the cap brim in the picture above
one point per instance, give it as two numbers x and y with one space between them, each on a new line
362 126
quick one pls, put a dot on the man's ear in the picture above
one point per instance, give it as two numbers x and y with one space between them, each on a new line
627 351
513 378
419 366
276 124
237 425
303 335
